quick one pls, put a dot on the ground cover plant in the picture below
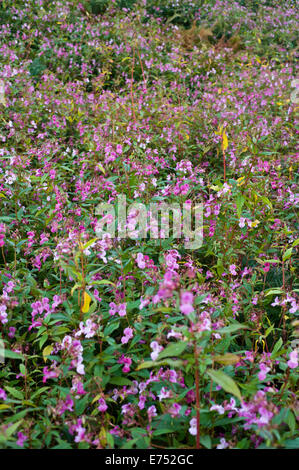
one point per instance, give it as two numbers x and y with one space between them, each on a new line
144 343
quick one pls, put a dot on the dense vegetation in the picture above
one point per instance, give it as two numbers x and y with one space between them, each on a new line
134 343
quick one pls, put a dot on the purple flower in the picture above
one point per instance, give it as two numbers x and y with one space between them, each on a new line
151 412
102 405
21 439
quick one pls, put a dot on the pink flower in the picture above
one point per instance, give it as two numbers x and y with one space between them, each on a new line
3 395
174 410
80 431
218 408
223 444
276 302
242 222
266 267
293 361
140 261
263 372
156 350
141 403
127 361
151 412
66 405
102 405
164 393
113 308
3 314
294 307
232 269
122 310
128 334
119 149
186 306
49 374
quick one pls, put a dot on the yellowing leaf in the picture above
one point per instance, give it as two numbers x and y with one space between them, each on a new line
103 436
86 303
227 359
96 398
224 141
100 166
47 351
74 288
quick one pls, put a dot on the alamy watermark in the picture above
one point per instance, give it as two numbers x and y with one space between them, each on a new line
157 220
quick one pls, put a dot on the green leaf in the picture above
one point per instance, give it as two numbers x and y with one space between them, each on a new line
287 254
103 282
174 349
12 355
226 382
292 443
206 441
159 432
119 381
239 203
168 362
274 292
9 431
15 393
277 346
233 327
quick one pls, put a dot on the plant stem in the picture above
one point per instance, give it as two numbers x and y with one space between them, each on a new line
197 397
